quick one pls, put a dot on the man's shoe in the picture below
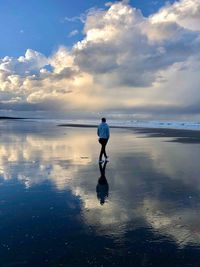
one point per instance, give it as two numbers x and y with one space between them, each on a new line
101 161
106 159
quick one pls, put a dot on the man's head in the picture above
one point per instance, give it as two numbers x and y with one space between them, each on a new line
103 119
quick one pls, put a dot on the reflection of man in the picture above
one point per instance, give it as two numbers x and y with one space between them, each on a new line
104 133
102 186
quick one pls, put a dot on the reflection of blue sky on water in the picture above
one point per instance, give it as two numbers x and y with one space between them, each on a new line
152 184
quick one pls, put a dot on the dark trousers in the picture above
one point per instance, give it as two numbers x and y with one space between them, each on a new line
103 143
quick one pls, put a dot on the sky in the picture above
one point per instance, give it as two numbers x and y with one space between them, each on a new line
82 59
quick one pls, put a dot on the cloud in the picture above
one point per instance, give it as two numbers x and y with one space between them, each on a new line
30 63
186 13
73 33
125 61
80 18
129 48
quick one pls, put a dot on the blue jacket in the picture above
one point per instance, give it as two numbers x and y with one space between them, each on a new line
103 131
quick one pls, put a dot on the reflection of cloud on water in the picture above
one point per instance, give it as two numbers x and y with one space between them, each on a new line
181 225
69 162
33 159
178 161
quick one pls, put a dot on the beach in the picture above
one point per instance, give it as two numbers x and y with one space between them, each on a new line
55 212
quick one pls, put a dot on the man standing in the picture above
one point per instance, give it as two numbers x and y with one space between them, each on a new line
104 133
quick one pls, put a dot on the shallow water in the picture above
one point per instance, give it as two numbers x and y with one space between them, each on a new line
54 210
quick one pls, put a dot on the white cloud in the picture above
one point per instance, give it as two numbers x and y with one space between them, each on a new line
32 61
129 48
73 33
137 61
80 18
186 13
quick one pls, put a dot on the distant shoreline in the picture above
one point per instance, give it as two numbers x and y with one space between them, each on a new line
186 136
11 118
79 125
139 128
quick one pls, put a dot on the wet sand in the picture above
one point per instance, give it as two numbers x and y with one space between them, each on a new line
59 209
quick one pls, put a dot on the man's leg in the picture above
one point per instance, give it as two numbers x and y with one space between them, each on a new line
103 143
104 147
104 150
101 153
